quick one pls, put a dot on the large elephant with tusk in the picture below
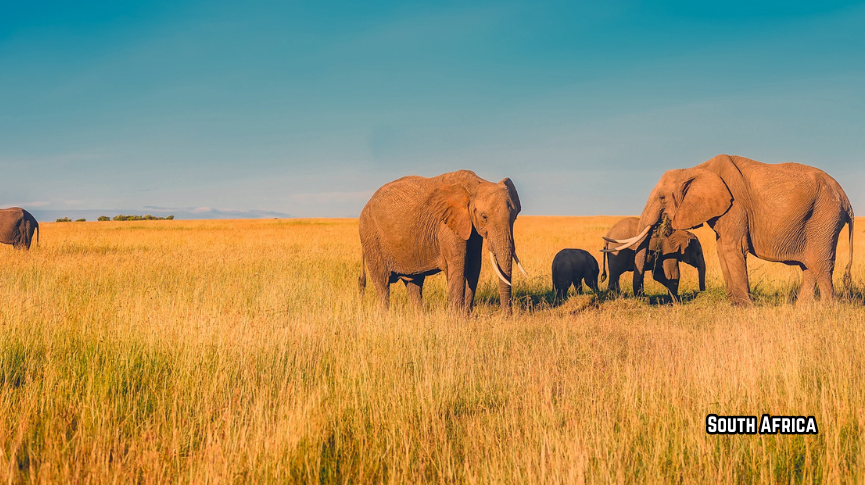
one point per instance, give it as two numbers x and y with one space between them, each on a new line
787 213
415 227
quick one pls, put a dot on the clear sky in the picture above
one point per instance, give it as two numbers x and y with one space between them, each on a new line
305 108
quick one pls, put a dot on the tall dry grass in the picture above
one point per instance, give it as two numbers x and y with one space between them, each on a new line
192 351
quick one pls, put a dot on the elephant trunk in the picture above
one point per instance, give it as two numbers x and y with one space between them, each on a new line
502 254
649 220
651 215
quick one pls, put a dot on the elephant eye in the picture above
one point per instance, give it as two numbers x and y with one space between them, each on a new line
483 215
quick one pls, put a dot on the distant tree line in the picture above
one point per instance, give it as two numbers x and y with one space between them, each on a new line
146 217
121 217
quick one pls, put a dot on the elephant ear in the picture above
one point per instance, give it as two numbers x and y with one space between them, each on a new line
512 192
450 204
703 196
678 242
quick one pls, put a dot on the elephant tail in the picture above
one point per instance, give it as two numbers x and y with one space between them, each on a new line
848 278
37 232
361 280
604 274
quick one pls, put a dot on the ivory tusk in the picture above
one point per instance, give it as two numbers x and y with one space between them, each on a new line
519 265
497 270
626 243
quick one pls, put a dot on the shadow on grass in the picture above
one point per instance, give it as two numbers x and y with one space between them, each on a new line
767 295
531 298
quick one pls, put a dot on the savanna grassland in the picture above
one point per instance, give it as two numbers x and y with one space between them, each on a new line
237 351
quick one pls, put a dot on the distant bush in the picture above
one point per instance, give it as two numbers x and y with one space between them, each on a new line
81 220
147 217
103 218
64 219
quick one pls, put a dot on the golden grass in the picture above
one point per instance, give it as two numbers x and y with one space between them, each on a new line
193 351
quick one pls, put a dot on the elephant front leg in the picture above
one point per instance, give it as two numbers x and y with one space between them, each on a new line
673 289
642 262
638 283
734 265
457 290
670 277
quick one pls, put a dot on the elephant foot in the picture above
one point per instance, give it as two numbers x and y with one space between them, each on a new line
741 302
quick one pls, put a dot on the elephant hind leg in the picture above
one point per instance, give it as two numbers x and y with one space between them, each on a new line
592 283
809 283
734 266
380 277
823 276
613 285
822 270
561 293
827 289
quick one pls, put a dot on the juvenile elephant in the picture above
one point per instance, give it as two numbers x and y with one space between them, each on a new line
573 267
787 213
415 227
661 256
17 227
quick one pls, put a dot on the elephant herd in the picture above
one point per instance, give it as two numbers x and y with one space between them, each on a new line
790 213
662 255
415 227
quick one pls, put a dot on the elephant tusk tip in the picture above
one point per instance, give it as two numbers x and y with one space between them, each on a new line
522 269
497 270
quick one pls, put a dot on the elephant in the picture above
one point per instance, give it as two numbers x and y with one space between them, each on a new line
788 213
415 227
17 227
662 256
574 266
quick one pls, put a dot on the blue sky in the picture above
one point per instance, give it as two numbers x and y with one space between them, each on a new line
229 109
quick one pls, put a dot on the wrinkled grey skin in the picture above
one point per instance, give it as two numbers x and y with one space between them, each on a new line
415 227
574 267
661 256
17 227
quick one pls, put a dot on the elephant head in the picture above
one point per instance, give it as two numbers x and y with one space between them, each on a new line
685 197
664 252
489 209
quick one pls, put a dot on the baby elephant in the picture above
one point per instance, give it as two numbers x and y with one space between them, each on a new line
574 266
